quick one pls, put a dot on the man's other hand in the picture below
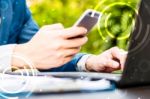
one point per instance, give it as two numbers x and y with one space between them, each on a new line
109 61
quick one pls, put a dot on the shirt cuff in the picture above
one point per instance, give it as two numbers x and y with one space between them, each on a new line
82 62
6 52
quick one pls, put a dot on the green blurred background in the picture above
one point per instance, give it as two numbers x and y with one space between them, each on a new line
113 29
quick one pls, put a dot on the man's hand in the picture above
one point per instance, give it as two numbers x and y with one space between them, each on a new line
52 46
109 61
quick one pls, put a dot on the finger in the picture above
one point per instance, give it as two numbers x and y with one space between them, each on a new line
57 26
112 64
123 60
76 42
109 70
71 52
115 52
73 32
120 55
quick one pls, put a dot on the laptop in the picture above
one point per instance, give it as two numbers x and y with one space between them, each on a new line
137 66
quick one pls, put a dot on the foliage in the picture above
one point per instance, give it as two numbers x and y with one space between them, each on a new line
107 33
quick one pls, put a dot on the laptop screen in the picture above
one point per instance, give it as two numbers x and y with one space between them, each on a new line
137 67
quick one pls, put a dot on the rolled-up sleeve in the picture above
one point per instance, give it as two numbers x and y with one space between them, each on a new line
6 52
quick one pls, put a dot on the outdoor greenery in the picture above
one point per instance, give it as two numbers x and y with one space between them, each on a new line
113 29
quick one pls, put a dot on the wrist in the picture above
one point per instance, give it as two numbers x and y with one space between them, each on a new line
89 63
19 54
81 63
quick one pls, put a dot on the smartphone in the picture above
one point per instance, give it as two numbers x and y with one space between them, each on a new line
88 19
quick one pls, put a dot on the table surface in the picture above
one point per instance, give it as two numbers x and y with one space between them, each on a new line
130 93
